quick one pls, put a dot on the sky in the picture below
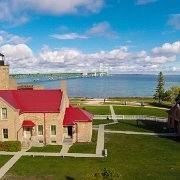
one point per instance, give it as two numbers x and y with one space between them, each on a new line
126 36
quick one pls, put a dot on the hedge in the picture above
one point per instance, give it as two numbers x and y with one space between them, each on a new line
11 146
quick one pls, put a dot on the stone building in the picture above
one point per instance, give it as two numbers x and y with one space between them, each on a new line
174 117
40 116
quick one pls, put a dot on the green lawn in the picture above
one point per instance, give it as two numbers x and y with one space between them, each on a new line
48 148
85 147
135 157
143 126
102 110
129 110
4 159
101 121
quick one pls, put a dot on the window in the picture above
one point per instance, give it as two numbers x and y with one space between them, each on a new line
40 141
40 129
5 133
4 113
53 130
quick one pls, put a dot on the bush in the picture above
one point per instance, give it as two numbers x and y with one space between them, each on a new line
11 146
106 174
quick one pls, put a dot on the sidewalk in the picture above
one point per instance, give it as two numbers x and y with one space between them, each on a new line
10 163
100 140
113 114
65 149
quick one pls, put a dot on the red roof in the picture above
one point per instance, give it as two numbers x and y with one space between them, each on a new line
33 100
73 115
27 123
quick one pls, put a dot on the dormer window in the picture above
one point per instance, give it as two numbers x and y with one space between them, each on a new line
3 113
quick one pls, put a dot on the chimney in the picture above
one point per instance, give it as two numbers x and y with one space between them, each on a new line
65 99
64 87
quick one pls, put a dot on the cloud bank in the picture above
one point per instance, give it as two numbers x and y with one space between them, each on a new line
119 60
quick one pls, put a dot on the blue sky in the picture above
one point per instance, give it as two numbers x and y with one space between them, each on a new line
127 36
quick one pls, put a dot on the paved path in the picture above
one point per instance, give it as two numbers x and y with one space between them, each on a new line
60 155
113 114
10 163
7 153
100 140
65 149
141 133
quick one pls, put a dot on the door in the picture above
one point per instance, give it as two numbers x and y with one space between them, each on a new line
70 131
27 133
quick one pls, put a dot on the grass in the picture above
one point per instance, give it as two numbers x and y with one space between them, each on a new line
143 126
102 110
101 121
85 147
48 148
134 157
129 110
4 159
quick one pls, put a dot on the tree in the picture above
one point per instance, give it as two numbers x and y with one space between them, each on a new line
172 93
160 88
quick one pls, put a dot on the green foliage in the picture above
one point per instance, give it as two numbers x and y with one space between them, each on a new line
171 94
106 174
159 94
11 146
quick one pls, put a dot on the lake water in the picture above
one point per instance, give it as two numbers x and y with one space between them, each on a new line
112 86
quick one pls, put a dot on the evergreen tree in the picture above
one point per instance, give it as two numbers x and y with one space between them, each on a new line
160 88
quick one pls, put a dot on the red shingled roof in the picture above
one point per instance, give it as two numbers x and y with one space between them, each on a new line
33 100
73 115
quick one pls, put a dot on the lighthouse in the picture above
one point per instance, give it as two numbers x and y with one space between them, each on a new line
5 82
4 74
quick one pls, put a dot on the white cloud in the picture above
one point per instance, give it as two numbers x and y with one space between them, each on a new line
160 59
18 56
141 2
7 38
167 49
69 36
102 29
17 11
174 21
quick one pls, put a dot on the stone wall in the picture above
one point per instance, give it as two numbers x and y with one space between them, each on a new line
46 120
10 123
84 131
4 77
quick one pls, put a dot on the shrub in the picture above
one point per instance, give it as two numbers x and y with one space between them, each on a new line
106 174
1 144
11 146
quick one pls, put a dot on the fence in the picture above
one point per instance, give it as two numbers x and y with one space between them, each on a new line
131 117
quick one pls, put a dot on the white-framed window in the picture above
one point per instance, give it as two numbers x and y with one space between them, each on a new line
40 130
5 133
53 130
3 113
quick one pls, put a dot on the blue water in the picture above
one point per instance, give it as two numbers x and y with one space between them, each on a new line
112 86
